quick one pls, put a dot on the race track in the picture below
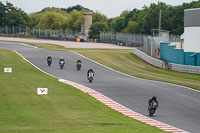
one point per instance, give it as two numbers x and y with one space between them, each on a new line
178 106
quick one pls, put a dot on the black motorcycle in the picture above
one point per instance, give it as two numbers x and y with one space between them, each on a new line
49 61
90 76
78 66
152 108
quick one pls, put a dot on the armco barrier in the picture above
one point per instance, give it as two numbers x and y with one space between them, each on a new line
184 68
161 64
149 59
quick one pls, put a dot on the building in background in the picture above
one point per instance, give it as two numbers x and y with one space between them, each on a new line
189 54
192 30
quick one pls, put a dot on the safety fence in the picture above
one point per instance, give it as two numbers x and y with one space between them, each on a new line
131 40
149 59
145 43
162 64
39 33
174 38
184 68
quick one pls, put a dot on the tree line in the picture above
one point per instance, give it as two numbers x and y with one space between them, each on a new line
136 21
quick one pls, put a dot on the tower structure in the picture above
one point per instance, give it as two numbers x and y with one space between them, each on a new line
87 21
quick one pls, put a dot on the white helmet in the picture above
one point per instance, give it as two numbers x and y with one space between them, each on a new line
61 57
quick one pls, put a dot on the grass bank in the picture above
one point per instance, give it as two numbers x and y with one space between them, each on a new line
64 109
124 61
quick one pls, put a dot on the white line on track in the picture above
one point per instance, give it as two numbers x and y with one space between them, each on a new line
27 45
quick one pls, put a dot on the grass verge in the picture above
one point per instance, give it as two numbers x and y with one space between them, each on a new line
64 109
124 61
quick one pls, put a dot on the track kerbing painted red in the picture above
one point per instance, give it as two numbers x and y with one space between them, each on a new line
123 110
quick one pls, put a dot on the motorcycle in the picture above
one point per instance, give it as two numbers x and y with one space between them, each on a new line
152 108
78 66
62 64
49 63
90 76
49 60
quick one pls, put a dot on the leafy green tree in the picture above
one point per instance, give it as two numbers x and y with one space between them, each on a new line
118 25
96 28
70 9
124 13
75 20
53 9
98 17
35 19
12 16
52 20
132 27
2 12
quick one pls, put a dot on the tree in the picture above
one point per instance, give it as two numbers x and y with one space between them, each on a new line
12 16
96 28
124 13
2 12
75 20
118 24
133 27
98 17
35 19
52 20
70 9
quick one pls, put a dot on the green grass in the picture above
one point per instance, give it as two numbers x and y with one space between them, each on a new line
64 109
124 61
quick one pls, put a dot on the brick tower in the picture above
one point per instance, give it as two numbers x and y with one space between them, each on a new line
87 21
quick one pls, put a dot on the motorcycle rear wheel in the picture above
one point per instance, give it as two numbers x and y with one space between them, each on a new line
151 112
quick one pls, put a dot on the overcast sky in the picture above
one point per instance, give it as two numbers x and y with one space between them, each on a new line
111 8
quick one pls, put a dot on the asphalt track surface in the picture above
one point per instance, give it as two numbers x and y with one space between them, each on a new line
178 106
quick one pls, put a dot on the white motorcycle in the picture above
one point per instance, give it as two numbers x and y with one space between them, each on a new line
152 108
90 76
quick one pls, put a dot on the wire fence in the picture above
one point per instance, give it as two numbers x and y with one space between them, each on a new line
145 43
174 38
40 33
132 40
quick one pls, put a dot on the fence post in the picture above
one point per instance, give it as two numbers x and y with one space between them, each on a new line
6 30
19 29
33 32
47 34
56 33
13 30
39 32
26 30
151 46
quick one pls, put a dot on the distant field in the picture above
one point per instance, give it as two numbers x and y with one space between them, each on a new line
64 109
124 61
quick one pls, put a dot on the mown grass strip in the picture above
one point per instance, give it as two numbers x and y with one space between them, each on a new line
64 109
